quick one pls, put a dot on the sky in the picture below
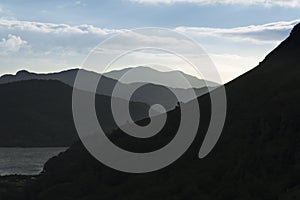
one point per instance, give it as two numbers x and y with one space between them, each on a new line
49 36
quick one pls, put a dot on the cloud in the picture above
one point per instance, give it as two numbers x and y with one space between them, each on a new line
66 36
12 43
282 3
80 3
259 34
59 39
61 45
53 28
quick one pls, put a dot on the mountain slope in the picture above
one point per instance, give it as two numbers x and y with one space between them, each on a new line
257 157
157 77
38 113
150 94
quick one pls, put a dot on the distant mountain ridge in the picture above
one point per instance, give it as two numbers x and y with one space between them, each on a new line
66 76
151 93
171 79
36 108
168 79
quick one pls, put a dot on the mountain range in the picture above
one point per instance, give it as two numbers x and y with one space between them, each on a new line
38 113
171 79
155 88
36 109
257 156
156 77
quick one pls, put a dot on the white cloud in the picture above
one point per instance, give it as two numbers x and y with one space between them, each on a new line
283 3
12 43
266 33
53 28
234 50
80 3
77 2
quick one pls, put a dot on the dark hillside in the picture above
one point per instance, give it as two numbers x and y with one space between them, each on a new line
38 113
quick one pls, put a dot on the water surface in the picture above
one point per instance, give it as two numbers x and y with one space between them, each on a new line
25 161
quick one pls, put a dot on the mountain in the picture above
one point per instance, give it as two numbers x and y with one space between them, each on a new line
257 156
150 94
38 113
29 100
66 77
158 77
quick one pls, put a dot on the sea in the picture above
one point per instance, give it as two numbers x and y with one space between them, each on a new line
25 161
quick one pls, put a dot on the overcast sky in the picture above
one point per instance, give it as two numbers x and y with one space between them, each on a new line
55 35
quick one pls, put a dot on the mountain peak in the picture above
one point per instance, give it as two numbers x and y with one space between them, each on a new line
22 72
288 51
296 30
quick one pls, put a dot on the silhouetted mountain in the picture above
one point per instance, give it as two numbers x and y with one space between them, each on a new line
158 78
38 113
170 79
44 120
257 157
66 77
147 95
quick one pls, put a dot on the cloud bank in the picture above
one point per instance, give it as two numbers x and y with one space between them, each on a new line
53 28
271 32
268 3
59 46
266 33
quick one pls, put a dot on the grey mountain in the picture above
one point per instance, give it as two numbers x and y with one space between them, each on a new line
151 93
171 79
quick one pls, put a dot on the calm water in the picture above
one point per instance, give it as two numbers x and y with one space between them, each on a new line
25 161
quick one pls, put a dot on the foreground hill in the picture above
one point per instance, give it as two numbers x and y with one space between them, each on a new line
38 113
257 157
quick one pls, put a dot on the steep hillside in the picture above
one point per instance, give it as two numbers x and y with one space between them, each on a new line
38 113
